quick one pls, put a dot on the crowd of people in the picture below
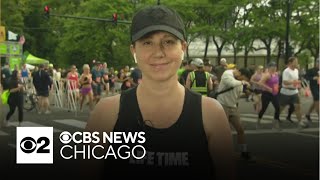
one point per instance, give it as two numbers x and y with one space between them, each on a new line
263 85
86 87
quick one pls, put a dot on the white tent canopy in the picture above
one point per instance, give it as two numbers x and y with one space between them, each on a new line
30 67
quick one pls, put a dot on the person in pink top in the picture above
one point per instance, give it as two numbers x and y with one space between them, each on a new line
73 82
270 84
73 78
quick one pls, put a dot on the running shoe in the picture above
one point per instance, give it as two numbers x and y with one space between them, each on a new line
308 117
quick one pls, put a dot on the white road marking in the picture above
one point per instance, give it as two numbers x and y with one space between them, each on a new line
282 117
3 133
294 131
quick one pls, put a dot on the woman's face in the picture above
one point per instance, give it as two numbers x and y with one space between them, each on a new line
260 70
272 69
86 70
73 68
159 55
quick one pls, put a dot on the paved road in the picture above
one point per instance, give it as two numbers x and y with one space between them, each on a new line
278 154
290 153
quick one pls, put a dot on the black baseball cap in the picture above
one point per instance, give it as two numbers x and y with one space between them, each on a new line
157 18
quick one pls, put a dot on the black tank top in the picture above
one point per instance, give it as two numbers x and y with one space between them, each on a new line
178 151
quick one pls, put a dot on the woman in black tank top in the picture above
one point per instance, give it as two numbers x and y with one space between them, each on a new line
186 135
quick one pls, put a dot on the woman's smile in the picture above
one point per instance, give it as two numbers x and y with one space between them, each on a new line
160 66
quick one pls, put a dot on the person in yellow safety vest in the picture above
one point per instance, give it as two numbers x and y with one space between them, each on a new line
199 81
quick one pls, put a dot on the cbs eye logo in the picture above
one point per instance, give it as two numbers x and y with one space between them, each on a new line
34 145
29 145
65 137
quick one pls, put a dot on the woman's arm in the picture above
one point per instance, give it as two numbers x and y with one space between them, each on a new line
219 137
102 119
253 79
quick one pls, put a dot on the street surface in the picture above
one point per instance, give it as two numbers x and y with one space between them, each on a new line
289 153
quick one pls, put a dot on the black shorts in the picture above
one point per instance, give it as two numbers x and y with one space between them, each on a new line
111 84
287 100
43 93
96 89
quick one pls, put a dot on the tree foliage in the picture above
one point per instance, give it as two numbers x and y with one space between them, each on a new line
66 41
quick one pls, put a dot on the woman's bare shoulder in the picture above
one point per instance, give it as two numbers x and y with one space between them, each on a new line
104 115
213 115
211 103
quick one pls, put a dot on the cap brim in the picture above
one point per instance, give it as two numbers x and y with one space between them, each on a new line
197 65
152 28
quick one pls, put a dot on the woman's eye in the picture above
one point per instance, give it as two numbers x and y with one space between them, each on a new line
146 43
169 42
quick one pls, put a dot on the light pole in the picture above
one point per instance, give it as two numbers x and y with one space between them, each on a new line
288 49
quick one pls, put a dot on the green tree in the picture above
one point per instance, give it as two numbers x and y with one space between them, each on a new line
85 40
269 24
305 27
66 41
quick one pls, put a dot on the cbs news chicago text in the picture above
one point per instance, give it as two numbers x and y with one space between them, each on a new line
35 145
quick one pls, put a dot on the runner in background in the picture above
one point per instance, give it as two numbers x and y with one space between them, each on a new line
313 77
86 87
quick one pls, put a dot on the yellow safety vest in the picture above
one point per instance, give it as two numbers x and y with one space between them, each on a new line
201 90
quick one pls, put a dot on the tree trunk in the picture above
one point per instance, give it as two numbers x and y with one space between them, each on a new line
206 48
279 54
267 43
219 50
246 52
187 52
234 53
268 54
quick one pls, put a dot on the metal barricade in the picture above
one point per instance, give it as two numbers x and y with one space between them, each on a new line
72 96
